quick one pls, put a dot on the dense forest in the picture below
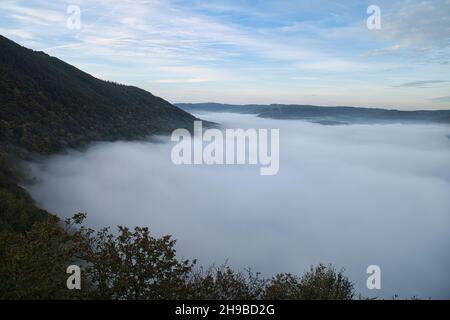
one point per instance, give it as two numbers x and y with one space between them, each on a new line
47 106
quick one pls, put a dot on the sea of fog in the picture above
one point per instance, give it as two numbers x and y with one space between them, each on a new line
351 195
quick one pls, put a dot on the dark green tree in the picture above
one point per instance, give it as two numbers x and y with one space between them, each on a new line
319 283
132 264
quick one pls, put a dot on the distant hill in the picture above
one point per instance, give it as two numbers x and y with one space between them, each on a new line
323 115
219 107
47 105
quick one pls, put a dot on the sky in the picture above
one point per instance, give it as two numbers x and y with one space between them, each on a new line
294 52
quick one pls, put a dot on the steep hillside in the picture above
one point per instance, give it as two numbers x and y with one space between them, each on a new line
47 105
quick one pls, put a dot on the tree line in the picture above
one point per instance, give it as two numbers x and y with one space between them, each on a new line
132 264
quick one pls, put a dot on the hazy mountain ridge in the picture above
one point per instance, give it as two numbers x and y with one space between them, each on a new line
48 105
324 115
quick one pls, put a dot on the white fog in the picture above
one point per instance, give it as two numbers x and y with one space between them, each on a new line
353 196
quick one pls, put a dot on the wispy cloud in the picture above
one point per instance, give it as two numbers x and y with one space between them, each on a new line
442 99
423 83
182 80
17 33
34 15
256 50
423 24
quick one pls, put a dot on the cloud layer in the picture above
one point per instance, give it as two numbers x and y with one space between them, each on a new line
348 195
249 52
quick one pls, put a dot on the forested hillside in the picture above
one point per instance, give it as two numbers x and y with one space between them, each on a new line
47 105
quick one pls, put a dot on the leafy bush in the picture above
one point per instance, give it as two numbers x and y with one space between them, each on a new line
319 283
135 265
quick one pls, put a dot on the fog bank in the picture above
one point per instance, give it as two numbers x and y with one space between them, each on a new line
349 195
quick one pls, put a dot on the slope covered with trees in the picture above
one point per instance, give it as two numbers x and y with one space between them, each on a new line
47 105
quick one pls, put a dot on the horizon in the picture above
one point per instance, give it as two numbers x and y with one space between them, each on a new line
308 105
392 108
243 53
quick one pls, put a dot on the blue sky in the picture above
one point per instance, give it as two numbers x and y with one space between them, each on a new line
281 51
